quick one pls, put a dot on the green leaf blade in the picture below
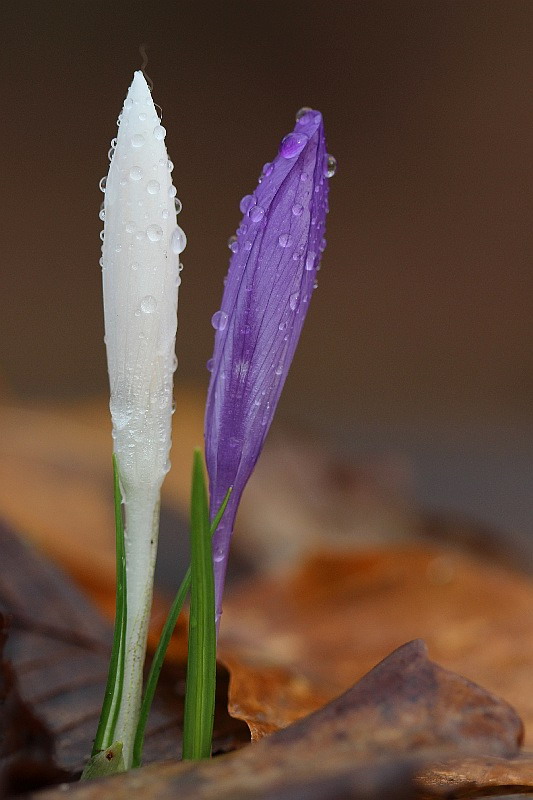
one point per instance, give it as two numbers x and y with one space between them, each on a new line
201 663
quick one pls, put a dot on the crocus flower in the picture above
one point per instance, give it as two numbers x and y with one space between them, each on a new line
275 257
140 270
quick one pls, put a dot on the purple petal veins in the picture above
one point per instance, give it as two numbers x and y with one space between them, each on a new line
272 274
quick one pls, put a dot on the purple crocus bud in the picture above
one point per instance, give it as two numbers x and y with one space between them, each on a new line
275 257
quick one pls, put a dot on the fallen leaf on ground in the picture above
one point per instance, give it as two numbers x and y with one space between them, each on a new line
59 648
471 776
331 620
26 746
406 710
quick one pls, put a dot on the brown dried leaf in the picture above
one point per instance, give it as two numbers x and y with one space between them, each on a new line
464 777
336 616
403 710
59 647
26 746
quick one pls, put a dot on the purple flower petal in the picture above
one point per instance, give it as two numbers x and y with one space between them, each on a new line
270 281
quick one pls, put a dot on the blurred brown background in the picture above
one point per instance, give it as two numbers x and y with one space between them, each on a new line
419 341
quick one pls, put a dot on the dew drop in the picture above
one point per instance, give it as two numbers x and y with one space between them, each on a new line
209 365
293 144
330 166
256 213
178 241
268 169
219 320
322 245
128 103
170 165
246 202
282 325
297 209
154 233
285 240
279 369
101 262
143 117
136 173
102 235
101 214
233 244
160 132
152 187
293 300
310 260
137 140
247 246
304 176
164 213
172 192
177 205
130 227
102 183
218 556
302 113
148 304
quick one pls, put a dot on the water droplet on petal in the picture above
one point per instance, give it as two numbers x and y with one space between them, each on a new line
101 262
103 183
102 235
297 209
310 260
170 165
322 245
304 176
330 166
172 192
152 187
246 202
178 241
285 240
154 233
128 103
130 227
247 246
293 300
137 140
256 213
218 555
177 205
268 169
279 369
136 173
142 117
293 144
148 304
219 320
160 132
302 112
209 365
232 241
282 325
164 213
101 214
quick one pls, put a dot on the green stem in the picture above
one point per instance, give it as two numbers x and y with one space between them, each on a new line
115 678
201 662
162 647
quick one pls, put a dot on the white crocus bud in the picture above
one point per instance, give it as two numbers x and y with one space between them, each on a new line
140 264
